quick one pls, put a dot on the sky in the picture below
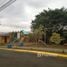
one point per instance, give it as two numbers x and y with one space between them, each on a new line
22 12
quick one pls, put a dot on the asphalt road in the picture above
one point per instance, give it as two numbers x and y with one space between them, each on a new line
16 59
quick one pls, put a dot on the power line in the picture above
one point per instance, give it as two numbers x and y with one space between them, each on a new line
1 2
15 26
6 4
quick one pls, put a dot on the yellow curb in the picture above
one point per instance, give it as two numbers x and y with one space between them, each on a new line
37 52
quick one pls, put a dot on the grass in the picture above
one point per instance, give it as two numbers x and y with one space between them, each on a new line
48 46
30 44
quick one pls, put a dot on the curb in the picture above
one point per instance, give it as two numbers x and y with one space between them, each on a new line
44 49
41 53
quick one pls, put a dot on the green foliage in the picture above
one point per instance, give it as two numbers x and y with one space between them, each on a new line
22 33
31 37
39 32
56 38
52 20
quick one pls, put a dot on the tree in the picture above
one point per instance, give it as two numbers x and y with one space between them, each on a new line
53 20
22 33
31 37
39 33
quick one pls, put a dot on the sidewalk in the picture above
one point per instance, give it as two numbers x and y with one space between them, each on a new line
56 50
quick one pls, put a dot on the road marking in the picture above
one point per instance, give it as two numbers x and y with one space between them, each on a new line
37 52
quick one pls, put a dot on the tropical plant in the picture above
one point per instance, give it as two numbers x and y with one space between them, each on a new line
56 38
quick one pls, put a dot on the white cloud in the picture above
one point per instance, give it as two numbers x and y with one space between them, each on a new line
22 12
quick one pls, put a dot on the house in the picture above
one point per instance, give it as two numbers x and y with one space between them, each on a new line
8 34
4 38
7 37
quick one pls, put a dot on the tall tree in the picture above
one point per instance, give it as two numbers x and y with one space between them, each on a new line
52 20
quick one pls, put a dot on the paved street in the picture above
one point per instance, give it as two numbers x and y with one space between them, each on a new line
16 59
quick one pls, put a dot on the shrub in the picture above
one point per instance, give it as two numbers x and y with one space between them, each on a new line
56 38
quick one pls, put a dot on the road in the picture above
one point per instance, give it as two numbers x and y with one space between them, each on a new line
17 59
